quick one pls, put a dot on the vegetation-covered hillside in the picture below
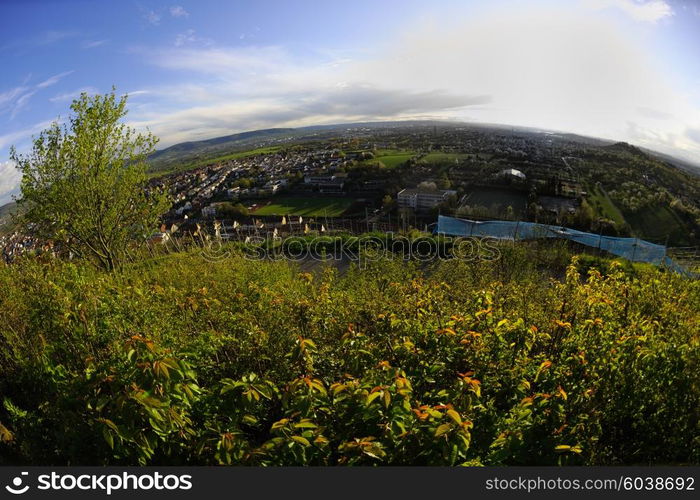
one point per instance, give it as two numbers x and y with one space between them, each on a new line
6 212
181 360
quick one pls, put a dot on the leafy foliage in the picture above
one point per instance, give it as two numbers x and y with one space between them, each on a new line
84 185
182 361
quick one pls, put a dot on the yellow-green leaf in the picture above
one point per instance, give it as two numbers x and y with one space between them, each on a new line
444 428
454 416
301 440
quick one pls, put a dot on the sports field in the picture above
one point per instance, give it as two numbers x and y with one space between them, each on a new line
391 161
443 157
391 158
313 207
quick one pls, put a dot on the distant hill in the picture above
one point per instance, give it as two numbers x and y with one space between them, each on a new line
188 147
6 216
193 152
6 210
591 141
624 147
198 151
693 168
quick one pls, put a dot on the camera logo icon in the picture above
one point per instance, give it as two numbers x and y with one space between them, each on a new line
16 487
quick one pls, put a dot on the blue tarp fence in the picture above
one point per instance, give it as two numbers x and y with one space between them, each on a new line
632 249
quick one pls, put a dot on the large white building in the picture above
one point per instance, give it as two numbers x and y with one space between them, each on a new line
326 183
422 199
512 173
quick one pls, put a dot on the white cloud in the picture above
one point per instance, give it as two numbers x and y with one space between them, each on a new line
22 136
356 103
650 11
189 37
183 38
21 139
152 17
178 11
693 134
555 68
9 181
654 113
570 71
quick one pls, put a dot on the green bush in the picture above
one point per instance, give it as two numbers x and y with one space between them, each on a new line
519 361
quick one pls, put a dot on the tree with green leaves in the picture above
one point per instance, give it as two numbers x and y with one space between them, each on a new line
84 184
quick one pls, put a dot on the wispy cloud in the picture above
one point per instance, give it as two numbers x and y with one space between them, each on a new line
21 102
43 39
54 36
91 44
69 96
14 100
650 11
222 60
178 11
9 96
53 80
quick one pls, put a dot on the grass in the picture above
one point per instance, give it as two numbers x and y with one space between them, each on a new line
318 207
443 157
604 206
655 223
6 222
394 160
658 223
389 158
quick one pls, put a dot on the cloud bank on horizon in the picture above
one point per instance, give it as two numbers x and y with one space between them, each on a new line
619 69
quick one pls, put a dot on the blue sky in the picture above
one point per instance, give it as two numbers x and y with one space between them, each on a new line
620 69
